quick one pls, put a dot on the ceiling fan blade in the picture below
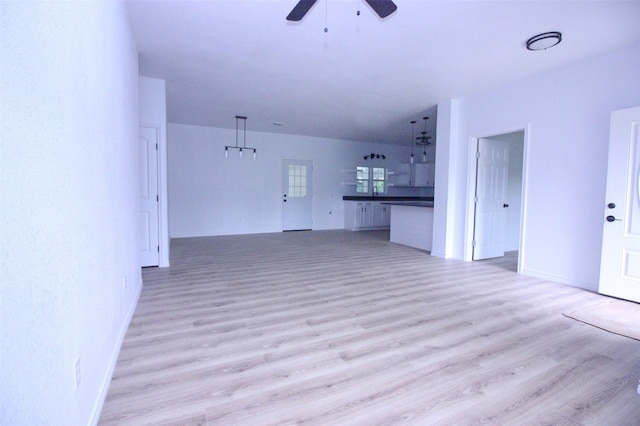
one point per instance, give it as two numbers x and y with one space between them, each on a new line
300 9
383 8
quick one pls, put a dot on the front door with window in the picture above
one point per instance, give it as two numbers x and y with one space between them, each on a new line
297 180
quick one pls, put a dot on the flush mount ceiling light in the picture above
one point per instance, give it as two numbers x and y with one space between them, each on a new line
544 41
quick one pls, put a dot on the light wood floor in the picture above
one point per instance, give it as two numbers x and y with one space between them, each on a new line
345 328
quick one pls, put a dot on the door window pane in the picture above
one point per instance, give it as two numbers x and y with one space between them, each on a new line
297 181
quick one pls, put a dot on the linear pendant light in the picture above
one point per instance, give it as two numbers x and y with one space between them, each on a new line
244 142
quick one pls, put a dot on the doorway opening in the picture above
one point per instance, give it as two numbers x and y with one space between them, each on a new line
497 200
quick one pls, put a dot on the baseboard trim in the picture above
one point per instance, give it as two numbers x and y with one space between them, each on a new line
104 388
572 283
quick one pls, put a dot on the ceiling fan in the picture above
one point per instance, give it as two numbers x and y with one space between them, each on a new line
382 8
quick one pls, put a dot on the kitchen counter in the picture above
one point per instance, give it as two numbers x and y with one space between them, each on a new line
410 203
383 198
411 226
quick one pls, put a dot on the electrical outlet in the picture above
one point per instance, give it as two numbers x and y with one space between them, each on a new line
78 378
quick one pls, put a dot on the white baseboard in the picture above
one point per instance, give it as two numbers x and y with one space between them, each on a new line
104 389
572 283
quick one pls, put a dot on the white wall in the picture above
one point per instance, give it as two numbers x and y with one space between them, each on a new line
446 185
153 113
566 117
211 195
70 228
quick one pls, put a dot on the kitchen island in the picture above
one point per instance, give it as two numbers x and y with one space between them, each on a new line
412 224
365 213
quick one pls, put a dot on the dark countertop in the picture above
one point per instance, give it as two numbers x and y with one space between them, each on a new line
411 203
384 198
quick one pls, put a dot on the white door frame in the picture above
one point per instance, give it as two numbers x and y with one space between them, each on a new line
163 218
471 191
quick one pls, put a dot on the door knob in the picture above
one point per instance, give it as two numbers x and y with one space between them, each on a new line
505 205
612 218
611 205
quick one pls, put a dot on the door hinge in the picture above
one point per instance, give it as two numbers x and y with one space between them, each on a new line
158 249
475 199
157 198
478 154
473 243
156 146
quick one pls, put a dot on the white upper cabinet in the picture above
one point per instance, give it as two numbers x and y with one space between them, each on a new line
413 175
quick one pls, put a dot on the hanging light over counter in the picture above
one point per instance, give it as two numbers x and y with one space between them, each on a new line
244 146
424 140
413 126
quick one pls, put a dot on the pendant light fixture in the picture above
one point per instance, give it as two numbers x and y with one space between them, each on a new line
424 140
244 141
413 126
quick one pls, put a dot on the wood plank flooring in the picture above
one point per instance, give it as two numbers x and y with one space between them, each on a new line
346 328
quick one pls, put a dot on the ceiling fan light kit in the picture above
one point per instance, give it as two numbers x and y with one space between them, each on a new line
382 8
544 41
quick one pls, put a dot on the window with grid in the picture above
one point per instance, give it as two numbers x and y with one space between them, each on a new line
378 180
297 181
362 179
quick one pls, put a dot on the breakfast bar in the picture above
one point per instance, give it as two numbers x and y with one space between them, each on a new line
412 224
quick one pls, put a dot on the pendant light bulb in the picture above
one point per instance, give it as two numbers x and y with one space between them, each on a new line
226 152
424 156
413 127
254 154
240 155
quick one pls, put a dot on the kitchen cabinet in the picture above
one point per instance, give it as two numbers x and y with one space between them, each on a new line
401 176
366 215
381 215
424 174
413 175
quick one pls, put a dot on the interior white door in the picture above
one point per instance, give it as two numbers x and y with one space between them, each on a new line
297 201
490 199
620 261
149 213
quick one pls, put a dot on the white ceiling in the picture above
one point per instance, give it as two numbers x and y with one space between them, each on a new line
365 78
